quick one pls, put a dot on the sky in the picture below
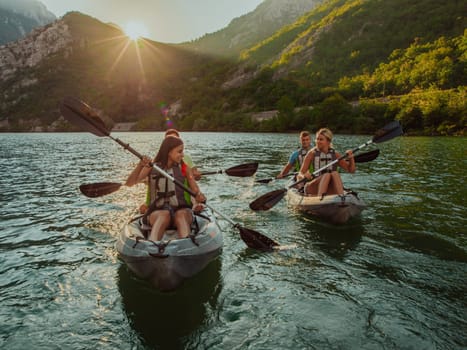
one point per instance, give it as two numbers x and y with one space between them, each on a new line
168 21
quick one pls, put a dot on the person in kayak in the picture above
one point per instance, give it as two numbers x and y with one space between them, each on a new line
297 156
328 181
170 205
186 159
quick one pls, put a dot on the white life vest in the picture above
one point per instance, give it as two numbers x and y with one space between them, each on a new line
322 159
164 193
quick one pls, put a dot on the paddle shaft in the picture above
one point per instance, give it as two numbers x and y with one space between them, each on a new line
178 183
359 158
220 171
103 188
171 178
265 181
82 115
268 200
159 170
126 146
317 172
181 185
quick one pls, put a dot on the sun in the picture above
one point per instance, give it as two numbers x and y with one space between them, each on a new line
135 30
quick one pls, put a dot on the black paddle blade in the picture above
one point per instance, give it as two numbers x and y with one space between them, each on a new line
242 170
99 189
265 181
391 130
268 200
367 156
256 240
82 115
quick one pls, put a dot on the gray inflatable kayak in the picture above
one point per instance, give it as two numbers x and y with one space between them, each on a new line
336 209
167 263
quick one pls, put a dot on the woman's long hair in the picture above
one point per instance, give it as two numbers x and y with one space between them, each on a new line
169 143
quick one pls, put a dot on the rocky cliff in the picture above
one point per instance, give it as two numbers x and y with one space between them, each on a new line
249 29
31 50
19 17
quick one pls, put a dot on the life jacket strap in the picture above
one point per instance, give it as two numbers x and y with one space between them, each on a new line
165 194
161 249
193 239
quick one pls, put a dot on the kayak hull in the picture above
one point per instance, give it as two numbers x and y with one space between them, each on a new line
336 209
166 264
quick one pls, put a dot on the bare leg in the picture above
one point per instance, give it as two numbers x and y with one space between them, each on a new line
183 219
160 220
337 186
312 187
324 184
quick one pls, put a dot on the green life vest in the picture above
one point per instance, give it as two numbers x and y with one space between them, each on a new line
302 152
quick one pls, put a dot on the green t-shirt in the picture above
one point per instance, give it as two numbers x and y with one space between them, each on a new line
188 161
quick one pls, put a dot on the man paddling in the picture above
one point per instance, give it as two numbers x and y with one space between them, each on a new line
297 156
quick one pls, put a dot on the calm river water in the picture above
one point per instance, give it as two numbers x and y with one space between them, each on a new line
393 279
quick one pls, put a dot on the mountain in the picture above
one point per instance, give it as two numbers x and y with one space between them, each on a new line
19 17
359 63
410 56
249 29
80 56
335 34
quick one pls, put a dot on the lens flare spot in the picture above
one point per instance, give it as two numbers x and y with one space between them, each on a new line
135 30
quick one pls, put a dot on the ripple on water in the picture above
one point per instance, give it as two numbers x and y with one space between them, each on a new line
392 279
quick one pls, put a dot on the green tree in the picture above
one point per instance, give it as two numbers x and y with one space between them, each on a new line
285 107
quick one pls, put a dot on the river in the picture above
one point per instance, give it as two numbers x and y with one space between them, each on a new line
395 278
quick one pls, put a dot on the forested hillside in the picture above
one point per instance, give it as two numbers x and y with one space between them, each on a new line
251 28
393 55
125 79
351 65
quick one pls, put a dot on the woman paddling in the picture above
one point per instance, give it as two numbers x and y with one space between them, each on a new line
170 205
328 180
132 179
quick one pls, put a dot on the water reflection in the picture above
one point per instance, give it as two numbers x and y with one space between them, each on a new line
394 279
334 240
169 320
431 244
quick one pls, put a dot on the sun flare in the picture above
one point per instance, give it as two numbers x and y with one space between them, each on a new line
135 30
